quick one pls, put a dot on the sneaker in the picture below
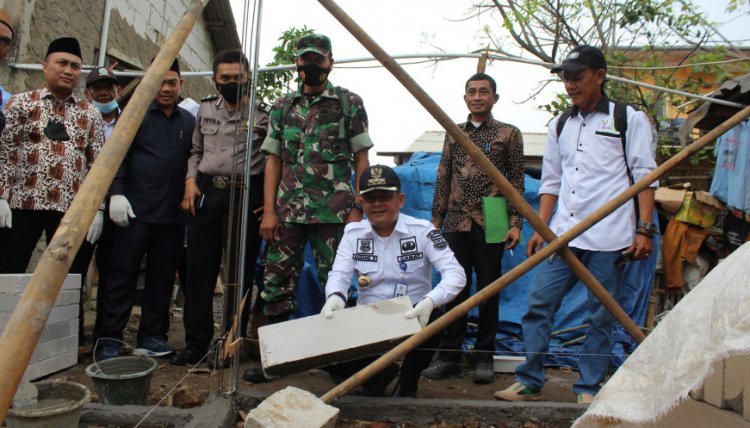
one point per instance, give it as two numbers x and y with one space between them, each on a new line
154 347
442 369
584 398
484 373
518 392
105 352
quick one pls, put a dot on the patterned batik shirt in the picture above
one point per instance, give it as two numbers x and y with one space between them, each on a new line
461 184
316 142
46 149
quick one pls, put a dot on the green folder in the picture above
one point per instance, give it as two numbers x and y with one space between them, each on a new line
496 222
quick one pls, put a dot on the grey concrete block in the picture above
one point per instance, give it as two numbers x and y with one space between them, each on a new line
352 333
51 365
292 408
51 349
8 302
15 283
59 330
58 314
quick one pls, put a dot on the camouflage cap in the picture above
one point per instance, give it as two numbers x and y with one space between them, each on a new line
317 43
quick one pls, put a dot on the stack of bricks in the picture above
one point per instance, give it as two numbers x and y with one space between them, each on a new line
57 348
728 386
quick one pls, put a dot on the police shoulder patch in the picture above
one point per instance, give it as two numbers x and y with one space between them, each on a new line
437 239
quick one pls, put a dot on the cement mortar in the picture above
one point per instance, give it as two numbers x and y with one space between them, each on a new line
216 412
424 412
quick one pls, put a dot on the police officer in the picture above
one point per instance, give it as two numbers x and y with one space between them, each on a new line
215 182
392 255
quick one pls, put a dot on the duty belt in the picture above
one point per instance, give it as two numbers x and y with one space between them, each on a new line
220 182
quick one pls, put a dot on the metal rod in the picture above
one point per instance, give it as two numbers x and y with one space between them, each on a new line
557 244
105 33
435 56
30 315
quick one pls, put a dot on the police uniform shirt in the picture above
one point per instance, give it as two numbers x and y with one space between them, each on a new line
400 264
213 149
585 168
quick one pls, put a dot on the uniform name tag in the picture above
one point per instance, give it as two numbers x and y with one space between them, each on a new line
365 257
401 289
409 257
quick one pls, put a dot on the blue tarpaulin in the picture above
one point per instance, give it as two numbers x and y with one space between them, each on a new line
418 183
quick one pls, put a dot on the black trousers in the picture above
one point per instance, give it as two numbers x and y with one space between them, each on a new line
104 253
162 245
208 236
486 261
411 367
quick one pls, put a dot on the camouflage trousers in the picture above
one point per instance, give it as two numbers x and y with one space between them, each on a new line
285 259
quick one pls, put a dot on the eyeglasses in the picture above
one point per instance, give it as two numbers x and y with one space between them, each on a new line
5 42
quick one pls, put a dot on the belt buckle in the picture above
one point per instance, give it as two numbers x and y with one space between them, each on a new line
220 182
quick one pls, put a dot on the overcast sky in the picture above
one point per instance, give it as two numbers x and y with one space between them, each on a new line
409 27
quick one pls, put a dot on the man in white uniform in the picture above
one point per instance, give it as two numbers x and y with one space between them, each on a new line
392 255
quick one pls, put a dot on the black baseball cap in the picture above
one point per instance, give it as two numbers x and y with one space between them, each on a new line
379 177
582 57
101 73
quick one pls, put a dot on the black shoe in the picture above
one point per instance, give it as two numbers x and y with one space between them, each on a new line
255 374
186 356
404 392
442 369
375 387
484 373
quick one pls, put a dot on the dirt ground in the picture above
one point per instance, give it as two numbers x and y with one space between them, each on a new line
177 386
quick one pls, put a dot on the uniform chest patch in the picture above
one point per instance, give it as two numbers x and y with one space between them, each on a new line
209 121
365 251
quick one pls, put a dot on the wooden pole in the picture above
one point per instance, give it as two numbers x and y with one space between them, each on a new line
515 198
30 315
461 310
555 243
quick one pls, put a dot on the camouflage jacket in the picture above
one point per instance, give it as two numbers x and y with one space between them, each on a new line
316 140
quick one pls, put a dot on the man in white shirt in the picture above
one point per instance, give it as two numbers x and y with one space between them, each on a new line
392 255
584 167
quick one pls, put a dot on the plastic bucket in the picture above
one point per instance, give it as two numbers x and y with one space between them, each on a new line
123 380
59 406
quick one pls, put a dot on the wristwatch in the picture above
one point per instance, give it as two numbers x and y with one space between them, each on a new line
646 229
358 207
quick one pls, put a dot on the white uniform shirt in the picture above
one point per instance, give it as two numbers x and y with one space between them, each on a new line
398 265
585 168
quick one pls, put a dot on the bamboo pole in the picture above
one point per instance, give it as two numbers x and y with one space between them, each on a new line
515 198
555 243
30 315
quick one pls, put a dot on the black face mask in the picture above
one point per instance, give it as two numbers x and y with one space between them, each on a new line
313 74
230 91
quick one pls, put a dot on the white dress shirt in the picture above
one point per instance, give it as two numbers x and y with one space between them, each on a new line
585 168
400 264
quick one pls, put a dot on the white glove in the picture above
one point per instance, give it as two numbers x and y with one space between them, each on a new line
422 311
95 230
120 210
334 303
5 214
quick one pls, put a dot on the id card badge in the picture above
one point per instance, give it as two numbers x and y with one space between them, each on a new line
401 289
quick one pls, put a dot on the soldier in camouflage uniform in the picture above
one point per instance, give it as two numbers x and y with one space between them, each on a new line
316 135
311 146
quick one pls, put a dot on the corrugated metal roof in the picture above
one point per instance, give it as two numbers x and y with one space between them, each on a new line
221 26
432 142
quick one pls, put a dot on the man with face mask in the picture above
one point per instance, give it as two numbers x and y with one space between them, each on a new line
215 182
316 135
103 90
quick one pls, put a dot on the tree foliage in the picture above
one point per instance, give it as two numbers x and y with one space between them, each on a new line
272 85
645 40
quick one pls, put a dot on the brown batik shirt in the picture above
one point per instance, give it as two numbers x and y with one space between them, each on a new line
461 184
42 167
